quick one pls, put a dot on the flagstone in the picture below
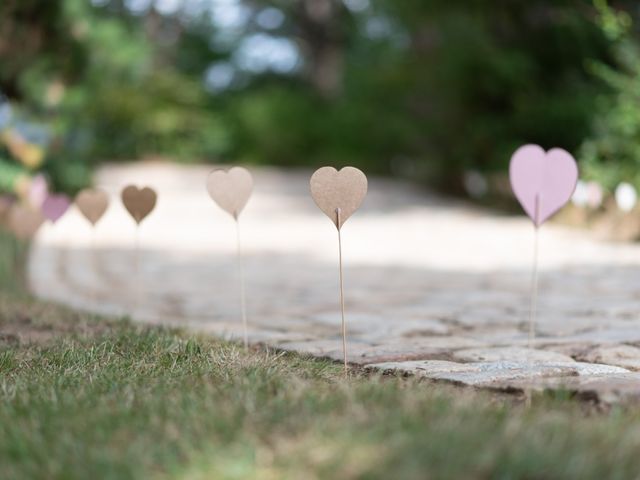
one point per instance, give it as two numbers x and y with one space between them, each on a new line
609 388
620 355
492 372
511 354
364 353
423 368
497 374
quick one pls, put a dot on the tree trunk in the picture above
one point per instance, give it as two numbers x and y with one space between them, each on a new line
323 41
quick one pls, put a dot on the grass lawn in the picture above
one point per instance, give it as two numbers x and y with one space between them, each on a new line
87 398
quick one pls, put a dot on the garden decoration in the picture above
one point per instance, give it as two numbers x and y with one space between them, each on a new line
339 194
55 206
92 203
543 182
580 195
595 195
38 191
139 202
6 202
626 197
231 190
23 221
587 195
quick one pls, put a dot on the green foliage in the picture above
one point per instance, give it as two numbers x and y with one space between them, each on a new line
10 175
480 82
612 154
447 88
427 89
99 89
38 53
291 126
125 106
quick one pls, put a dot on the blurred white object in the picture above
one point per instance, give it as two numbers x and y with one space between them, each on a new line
475 184
595 195
626 196
580 195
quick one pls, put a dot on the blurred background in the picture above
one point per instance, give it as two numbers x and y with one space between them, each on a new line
438 91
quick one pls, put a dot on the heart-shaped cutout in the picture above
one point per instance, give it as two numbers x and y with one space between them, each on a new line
139 202
38 191
55 206
543 182
24 222
93 204
332 190
230 189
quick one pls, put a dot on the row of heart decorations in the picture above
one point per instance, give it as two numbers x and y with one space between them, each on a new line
542 182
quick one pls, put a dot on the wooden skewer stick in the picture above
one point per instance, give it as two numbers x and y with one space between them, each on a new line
533 305
136 267
94 263
243 300
344 324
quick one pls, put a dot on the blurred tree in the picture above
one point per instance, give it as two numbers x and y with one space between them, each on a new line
35 34
482 80
429 89
104 80
322 30
612 153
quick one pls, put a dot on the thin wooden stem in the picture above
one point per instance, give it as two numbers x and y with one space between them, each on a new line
533 305
136 267
243 300
94 263
344 324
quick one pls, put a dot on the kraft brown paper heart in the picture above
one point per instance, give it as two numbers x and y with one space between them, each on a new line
92 203
344 189
24 222
231 189
139 202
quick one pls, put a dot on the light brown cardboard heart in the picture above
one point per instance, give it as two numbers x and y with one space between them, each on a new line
344 189
231 189
92 203
139 202
24 222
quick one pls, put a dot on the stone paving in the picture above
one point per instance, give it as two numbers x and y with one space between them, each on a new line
434 287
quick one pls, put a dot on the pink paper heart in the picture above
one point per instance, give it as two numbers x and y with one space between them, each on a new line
55 206
543 182
38 191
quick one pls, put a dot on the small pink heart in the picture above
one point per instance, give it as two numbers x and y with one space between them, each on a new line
55 206
38 191
543 182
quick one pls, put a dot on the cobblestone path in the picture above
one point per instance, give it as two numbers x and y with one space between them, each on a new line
434 287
